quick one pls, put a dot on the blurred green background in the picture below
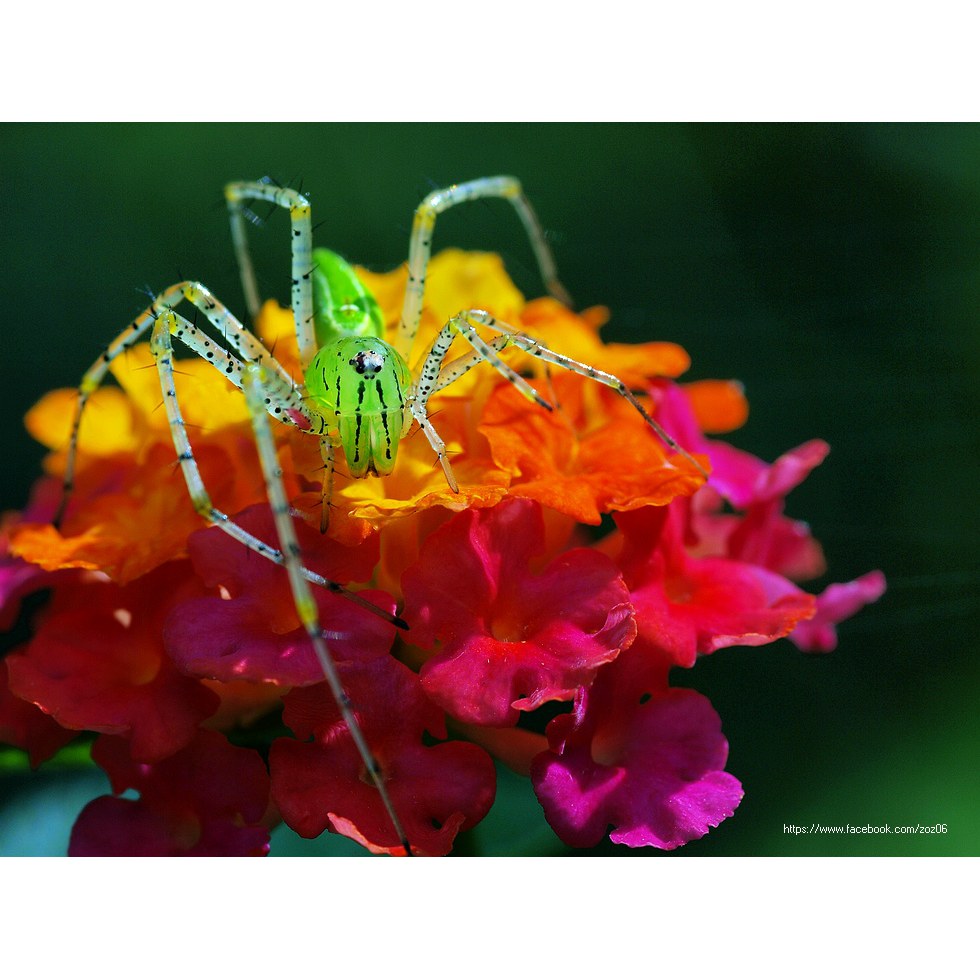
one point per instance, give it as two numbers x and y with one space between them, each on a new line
834 269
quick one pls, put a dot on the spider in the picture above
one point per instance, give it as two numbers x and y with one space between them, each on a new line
358 393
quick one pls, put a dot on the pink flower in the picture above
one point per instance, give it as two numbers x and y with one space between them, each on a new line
686 606
637 756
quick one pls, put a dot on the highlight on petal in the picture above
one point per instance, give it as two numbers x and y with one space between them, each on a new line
637 756
506 639
319 782
207 800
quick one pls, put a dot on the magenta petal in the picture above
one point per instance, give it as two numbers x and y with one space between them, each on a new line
744 479
836 603
688 606
651 767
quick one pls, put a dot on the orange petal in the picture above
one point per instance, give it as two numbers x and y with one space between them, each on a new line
593 455
577 336
719 406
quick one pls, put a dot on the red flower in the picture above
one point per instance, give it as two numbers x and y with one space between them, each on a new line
246 627
509 639
207 800
318 778
97 663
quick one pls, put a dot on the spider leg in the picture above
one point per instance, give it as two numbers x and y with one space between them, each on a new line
254 388
537 349
434 376
171 324
438 446
420 244
301 293
233 331
456 368
327 455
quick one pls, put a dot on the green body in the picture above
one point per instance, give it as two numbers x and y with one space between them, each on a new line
358 382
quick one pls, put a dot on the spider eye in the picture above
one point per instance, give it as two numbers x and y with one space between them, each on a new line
367 362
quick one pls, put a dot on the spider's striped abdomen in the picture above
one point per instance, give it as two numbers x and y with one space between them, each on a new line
360 384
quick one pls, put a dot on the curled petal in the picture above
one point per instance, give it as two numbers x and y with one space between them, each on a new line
836 603
636 756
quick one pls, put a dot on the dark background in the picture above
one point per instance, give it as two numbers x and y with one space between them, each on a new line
834 269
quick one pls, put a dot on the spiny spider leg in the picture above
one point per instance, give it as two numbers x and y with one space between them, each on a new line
278 399
230 328
439 377
257 383
327 455
301 293
457 367
438 446
420 244
432 371
254 388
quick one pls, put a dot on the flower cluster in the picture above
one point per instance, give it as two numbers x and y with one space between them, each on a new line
168 639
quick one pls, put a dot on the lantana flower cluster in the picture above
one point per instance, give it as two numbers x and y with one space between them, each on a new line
169 640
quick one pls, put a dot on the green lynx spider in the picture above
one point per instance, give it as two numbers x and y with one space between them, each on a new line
358 392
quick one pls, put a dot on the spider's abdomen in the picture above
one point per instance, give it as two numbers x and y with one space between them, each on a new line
360 385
